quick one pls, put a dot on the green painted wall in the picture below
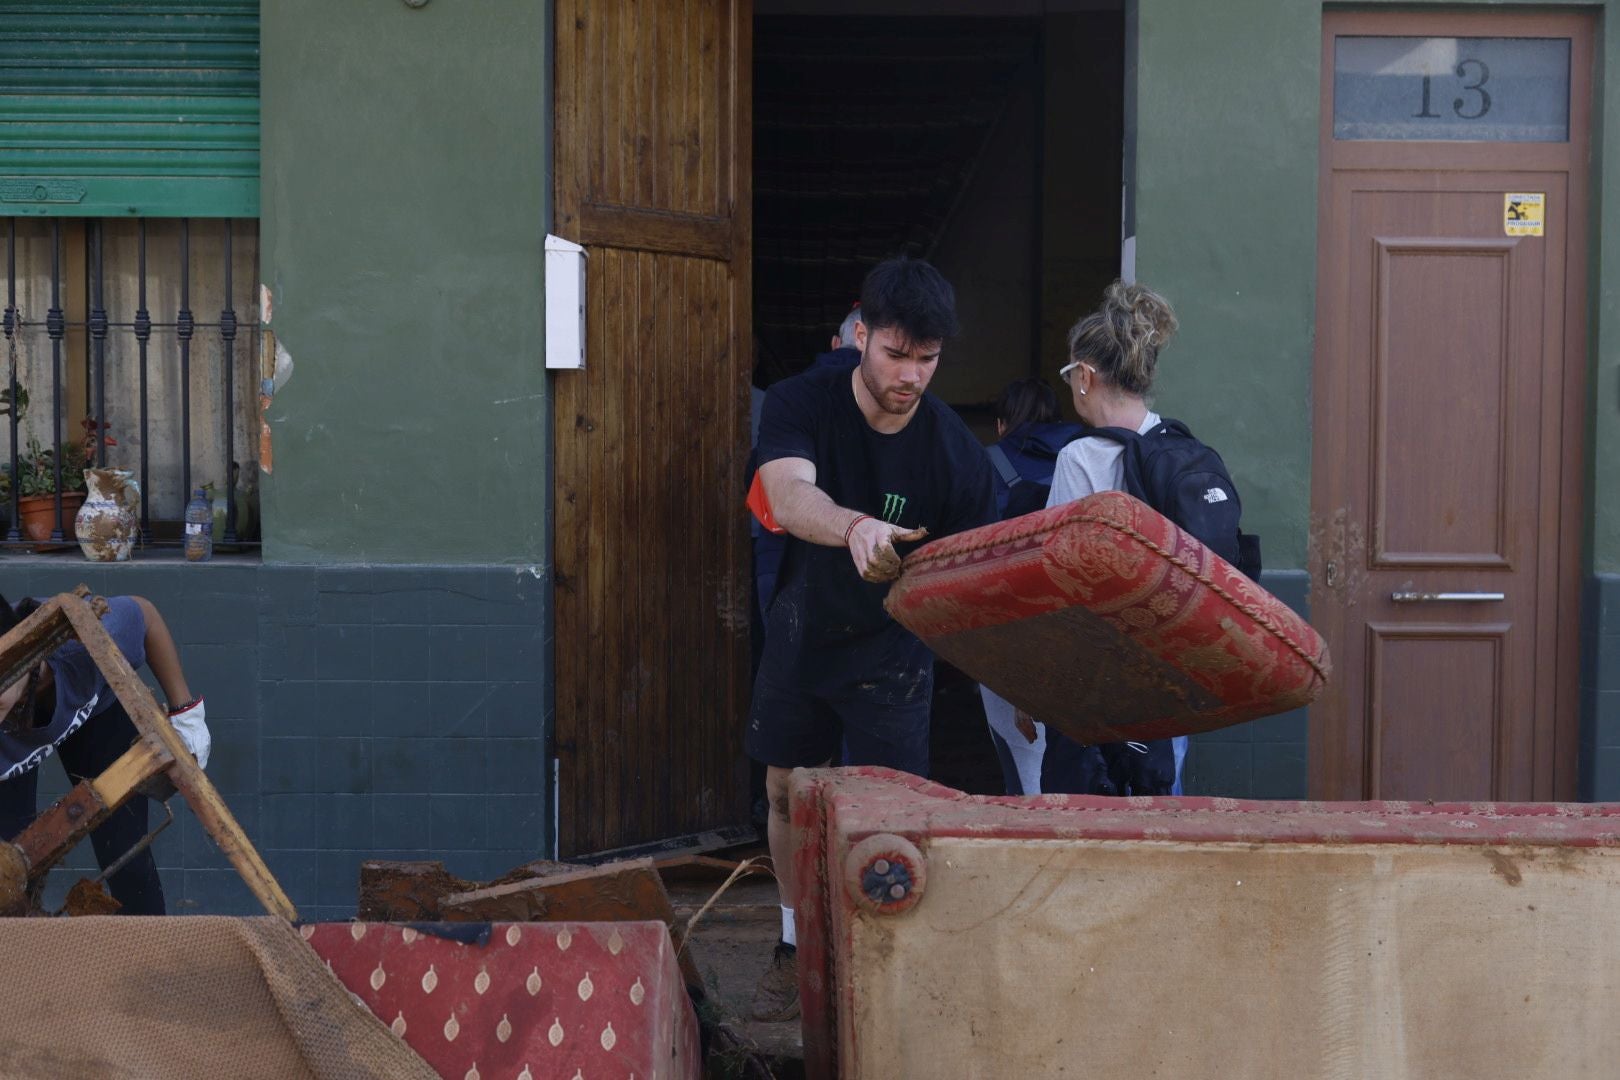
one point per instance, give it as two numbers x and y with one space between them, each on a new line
1226 190
405 196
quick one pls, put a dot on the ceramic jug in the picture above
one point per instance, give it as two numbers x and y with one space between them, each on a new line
108 521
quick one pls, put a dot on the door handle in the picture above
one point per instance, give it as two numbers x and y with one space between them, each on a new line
1448 597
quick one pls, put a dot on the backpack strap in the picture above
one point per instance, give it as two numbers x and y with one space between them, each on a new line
1135 450
1004 465
1116 434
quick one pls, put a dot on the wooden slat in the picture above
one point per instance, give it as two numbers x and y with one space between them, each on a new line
685 108
689 694
613 130
736 680
664 647
138 764
183 771
656 230
651 156
604 637
576 162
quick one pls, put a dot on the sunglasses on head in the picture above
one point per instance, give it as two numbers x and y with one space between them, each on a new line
1066 372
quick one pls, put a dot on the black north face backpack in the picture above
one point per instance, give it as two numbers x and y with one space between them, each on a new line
1187 482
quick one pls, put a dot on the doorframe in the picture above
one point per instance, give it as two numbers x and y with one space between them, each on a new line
1328 769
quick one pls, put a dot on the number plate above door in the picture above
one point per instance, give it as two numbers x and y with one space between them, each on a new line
1477 89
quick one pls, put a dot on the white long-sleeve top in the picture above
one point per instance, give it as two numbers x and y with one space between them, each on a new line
1092 464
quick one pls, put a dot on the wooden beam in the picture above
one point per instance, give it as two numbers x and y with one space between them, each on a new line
618 892
142 761
153 723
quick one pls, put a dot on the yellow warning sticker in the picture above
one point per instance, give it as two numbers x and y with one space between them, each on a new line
1524 212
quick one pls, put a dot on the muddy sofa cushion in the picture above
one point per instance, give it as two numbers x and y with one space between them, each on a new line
1108 622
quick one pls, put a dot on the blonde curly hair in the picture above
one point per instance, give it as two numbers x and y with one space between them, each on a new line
1122 338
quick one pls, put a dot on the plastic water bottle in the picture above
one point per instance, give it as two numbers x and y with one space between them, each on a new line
199 528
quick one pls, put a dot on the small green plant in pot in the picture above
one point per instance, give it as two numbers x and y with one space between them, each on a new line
36 482
36 490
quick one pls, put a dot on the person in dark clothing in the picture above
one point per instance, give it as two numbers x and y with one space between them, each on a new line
1030 435
64 706
854 462
768 546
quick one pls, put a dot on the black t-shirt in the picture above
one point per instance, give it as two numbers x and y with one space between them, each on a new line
827 632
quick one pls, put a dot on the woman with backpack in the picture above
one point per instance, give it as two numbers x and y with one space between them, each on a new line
1030 436
1113 355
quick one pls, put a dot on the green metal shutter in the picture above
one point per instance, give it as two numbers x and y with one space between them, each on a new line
146 107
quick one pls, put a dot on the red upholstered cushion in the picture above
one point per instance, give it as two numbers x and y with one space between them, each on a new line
534 1000
1106 621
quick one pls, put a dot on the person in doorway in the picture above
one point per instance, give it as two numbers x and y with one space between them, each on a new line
843 350
853 463
1024 457
1113 355
768 546
64 706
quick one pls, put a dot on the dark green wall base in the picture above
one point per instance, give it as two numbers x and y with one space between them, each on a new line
1265 758
357 712
1600 689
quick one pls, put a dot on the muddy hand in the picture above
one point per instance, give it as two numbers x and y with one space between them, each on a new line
882 562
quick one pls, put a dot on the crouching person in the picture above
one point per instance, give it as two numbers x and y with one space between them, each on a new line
64 706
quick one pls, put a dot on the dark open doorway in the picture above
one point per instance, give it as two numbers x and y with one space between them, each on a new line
988 140
989 144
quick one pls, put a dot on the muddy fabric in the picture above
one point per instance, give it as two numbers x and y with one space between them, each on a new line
1134 938
1053 958
180 998
1105 621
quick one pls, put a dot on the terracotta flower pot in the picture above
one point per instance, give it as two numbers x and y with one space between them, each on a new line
38 513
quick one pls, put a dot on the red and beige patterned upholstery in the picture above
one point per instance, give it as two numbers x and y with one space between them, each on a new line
1106 621
535 1000
942 934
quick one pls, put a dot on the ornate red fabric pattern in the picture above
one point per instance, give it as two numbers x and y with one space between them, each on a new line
536 1000
1106 620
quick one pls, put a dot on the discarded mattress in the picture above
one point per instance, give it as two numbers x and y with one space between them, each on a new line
523 1000
195 998
942 934
1109 623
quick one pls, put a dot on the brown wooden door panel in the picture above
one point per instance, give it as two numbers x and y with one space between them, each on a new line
1451 671
1447 379
1423 370
651 438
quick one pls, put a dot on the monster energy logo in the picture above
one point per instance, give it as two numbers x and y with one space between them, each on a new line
893 507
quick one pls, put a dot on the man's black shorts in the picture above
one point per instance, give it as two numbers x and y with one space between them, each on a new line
793 729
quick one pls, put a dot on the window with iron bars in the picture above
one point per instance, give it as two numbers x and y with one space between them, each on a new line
132 344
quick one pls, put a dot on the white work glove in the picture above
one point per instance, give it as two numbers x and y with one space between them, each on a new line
188 723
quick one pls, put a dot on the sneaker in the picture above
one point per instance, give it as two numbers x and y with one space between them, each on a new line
777 996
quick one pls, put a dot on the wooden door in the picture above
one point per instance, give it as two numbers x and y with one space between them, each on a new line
1450 361
651 439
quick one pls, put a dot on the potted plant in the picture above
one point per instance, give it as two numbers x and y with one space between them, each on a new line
36 490
36 482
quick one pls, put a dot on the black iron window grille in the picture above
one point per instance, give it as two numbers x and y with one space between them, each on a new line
128 343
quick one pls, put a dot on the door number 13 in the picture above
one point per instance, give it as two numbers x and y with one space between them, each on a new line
1466 70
